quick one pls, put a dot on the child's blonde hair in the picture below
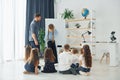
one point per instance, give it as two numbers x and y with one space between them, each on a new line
27 51
51 26
34 56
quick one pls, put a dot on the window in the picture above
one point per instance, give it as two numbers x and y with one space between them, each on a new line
12 29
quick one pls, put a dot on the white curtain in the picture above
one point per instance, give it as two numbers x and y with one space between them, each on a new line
12 27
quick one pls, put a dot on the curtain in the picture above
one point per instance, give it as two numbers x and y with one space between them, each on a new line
44 7
12 29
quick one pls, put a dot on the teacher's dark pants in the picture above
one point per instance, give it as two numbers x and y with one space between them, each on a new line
33 45
52 45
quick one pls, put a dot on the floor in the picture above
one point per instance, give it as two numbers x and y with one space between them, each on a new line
14 71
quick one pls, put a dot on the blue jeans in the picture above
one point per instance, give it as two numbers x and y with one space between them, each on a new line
83 69
29 67
32 44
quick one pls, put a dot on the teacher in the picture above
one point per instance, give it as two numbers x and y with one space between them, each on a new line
33 31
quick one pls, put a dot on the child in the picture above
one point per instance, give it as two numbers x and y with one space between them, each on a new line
85 61
32 63
27 52
65 61
50 38
49 59
75 60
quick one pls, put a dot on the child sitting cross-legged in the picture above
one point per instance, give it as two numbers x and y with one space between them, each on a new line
75 58
49 59
32 63
85 61
27 52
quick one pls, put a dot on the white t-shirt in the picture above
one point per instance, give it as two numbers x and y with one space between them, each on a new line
75 58
64 61
82 59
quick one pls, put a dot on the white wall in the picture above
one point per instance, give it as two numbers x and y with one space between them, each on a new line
107 15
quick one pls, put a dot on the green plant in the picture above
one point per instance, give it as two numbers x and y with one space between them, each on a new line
67 14
41 39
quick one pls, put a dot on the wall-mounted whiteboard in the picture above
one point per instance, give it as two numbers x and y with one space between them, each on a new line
59 24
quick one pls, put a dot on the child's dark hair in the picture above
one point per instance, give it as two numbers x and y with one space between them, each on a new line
67 47
87 55
27 51
48 55
74 51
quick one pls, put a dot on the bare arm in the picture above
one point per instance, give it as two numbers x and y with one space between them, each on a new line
35 39
36 70
80 63
36 67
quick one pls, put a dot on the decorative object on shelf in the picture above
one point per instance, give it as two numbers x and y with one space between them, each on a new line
66 25
113 38
67 14
85 12
68 35
89 24
77 25
87 32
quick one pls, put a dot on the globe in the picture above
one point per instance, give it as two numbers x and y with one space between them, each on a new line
85 12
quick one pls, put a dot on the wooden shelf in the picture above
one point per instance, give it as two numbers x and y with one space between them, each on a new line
79 28
74 20
81 44
79 36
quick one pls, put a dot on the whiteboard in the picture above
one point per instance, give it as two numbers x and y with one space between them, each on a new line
59 24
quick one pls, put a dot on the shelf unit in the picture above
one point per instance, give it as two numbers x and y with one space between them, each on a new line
74 35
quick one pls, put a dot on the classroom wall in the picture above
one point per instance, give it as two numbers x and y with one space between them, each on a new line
107 15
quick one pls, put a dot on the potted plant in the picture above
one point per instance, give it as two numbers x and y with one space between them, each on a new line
67 14
41 40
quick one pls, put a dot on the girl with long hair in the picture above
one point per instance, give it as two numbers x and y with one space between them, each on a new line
27 52
85 60
32 63
49 59
50 38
